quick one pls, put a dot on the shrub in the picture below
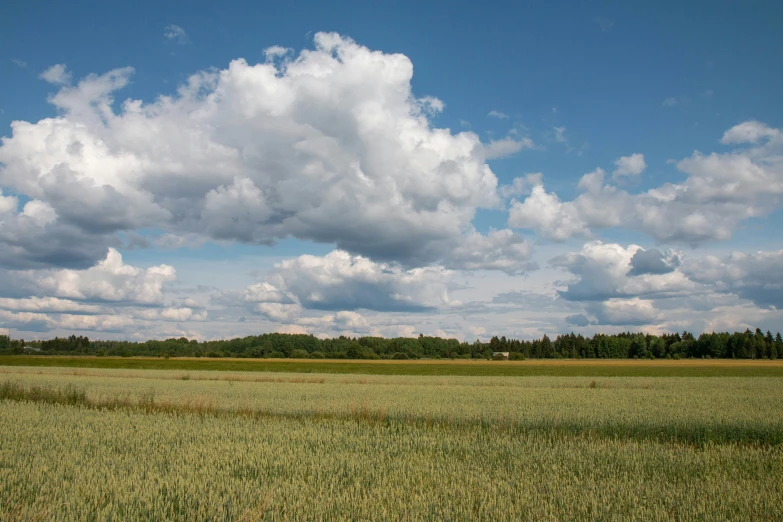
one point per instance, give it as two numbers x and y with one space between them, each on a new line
400 355
317 355
299 354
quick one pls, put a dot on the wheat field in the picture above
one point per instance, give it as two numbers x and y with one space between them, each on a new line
157 445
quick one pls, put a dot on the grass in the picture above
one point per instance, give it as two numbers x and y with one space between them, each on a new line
559 367
128 444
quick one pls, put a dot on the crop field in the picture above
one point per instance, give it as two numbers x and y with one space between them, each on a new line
131 444
553 367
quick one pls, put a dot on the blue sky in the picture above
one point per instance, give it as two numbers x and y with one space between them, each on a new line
543 93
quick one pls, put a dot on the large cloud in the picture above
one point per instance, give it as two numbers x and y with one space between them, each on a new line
331 146
44 322
343 282
34 238
631 286
720 191
111 296
111 280
608 270
757 277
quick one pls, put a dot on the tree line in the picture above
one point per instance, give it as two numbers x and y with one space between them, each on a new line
736 345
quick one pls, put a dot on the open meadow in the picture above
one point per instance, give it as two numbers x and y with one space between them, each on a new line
182 444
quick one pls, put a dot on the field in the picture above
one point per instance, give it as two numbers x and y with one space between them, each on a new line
553 367
187 444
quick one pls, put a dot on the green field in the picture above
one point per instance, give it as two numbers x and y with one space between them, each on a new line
553 367
128 444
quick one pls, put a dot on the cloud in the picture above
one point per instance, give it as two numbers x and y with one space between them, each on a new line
109 280
330 146
8 204
431 105
630 286
172 314
35 238
757 277
498 250
545 213
343 321
522 185
626 312
653 262
506 147
497 114
281 313
266 293
176 34
477 330
750 132
57 75
719 192
20 63
276 51
609 270
341 281
632 165
670 102
293 329
577 320
560 134
47 305
40 322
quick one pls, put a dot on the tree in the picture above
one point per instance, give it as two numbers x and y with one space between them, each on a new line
777 348
547 349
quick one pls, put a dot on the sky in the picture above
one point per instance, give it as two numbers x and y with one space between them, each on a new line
459 169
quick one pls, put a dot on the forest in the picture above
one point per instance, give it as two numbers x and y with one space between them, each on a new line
737 345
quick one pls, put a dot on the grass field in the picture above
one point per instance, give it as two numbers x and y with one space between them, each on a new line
128 444
553 367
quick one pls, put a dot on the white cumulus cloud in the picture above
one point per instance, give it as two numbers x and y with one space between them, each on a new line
329 146
718 194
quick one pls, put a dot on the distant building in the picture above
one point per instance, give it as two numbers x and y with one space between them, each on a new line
500 356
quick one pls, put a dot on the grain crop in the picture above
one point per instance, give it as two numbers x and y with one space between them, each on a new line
263 446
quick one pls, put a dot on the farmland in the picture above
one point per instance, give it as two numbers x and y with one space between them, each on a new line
196 444
552 367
